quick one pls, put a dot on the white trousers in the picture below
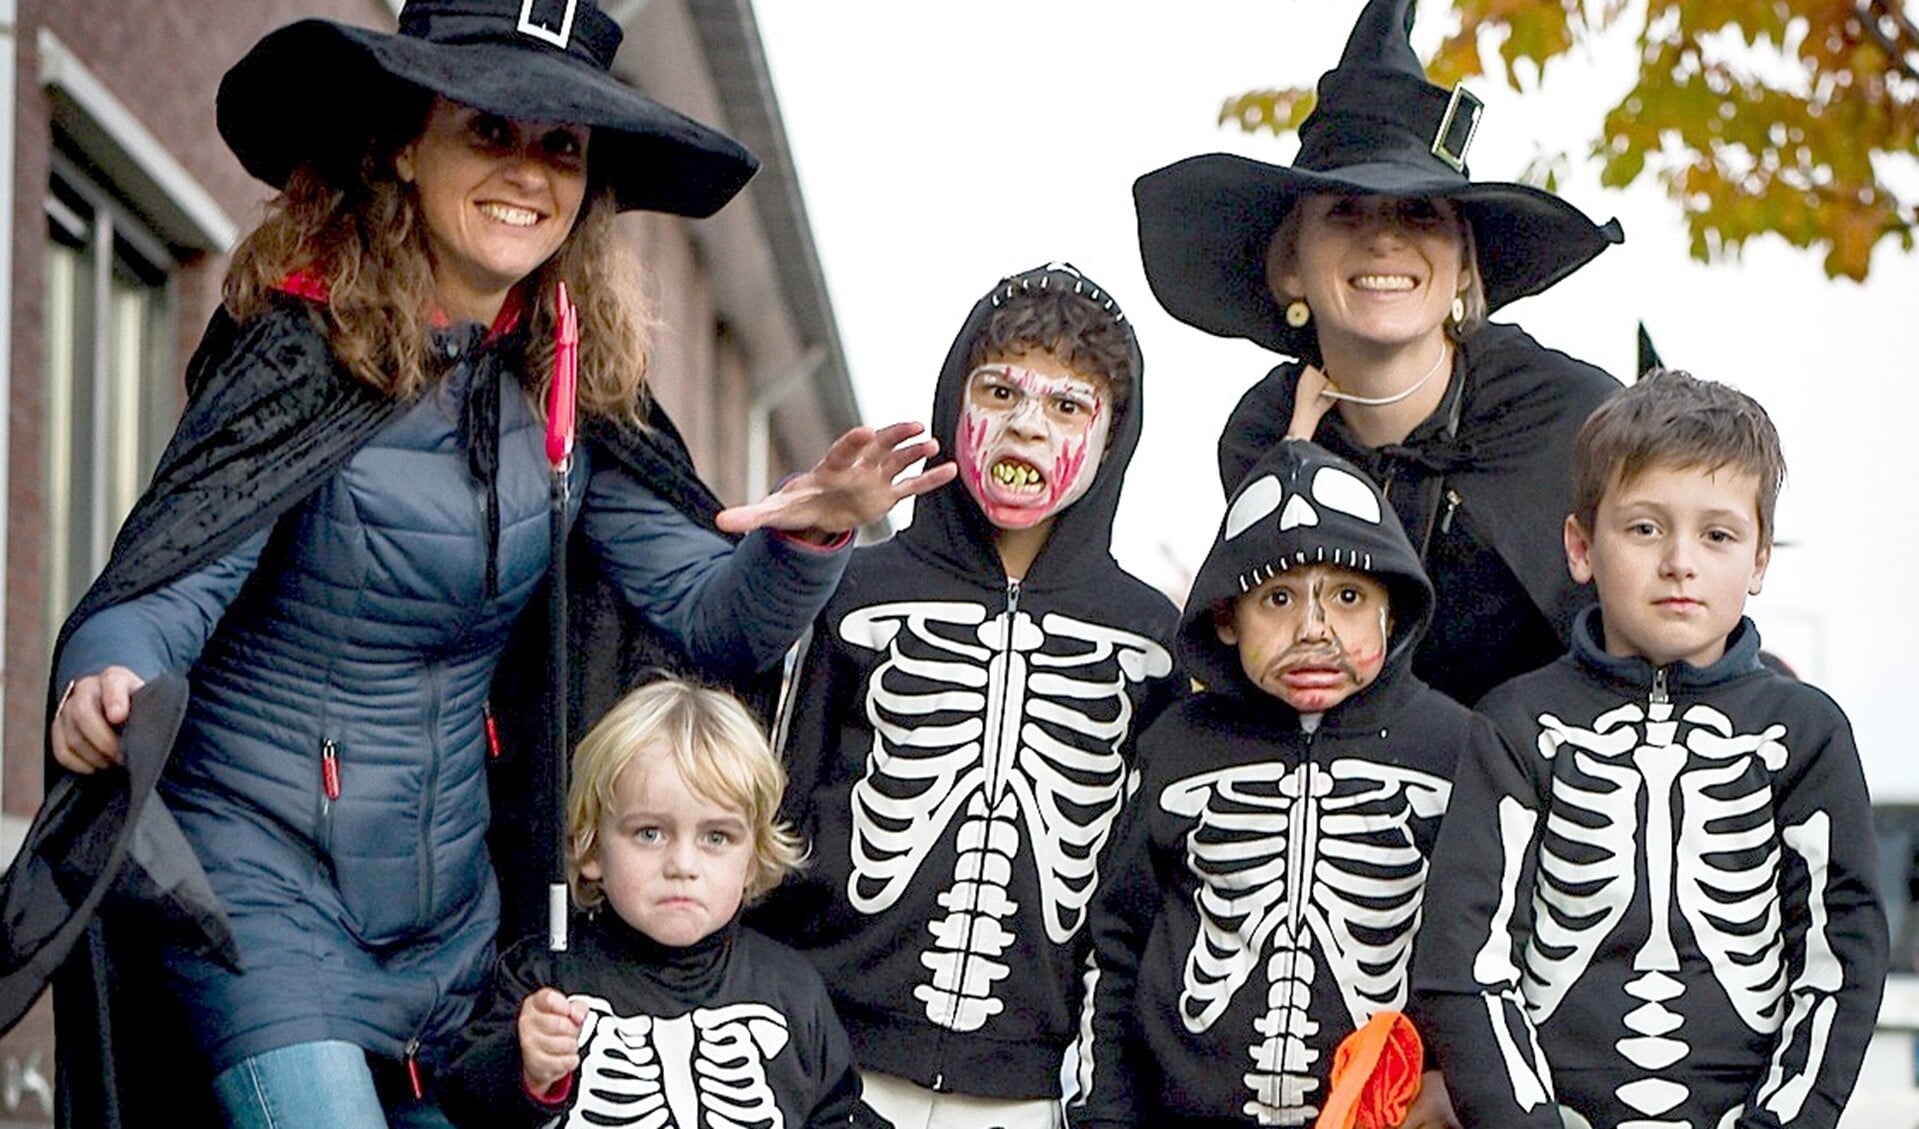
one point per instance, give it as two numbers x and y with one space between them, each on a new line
909 1106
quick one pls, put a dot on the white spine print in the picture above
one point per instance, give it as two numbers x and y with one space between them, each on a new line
970 939
1304 866
1003 732
702 1070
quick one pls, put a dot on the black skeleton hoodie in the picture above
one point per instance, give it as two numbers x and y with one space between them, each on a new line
1265 886
1659 906
959 745
730 1026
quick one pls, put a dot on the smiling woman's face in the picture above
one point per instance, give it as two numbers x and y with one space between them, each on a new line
1377 270
499 196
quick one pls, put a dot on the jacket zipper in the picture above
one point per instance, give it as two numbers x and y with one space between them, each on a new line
1659 697
430 787
412 1059
972 910
329 790
1452 505
1297 887
492 730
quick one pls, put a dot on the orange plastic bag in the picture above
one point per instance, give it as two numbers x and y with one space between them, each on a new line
1376 1073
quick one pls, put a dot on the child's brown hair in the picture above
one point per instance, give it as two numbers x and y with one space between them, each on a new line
1672 418
1083 333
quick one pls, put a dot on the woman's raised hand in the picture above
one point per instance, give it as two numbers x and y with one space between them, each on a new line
1309 403
86 728
857 482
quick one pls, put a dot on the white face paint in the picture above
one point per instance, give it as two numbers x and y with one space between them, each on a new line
1031 436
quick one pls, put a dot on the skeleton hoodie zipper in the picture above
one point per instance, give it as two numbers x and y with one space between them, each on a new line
996 713
1299 877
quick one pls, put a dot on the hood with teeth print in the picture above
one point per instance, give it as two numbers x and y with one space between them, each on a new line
1299 505
950 526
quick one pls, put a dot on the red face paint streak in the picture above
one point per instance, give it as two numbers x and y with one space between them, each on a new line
1065 472
972 447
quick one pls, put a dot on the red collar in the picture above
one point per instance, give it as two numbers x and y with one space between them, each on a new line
313 287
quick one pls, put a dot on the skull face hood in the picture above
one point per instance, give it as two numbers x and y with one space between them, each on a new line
949 524
1301 505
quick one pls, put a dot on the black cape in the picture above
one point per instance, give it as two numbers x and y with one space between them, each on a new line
269 416
1495 452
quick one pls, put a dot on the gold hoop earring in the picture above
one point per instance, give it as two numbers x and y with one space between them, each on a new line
1459 309
1298 313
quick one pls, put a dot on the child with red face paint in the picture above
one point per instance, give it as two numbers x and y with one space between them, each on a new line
961 735
1263 889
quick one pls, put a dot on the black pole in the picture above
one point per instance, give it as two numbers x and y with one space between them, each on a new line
561 686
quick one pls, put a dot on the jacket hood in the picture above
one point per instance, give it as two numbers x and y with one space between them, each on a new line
949 525
1300 505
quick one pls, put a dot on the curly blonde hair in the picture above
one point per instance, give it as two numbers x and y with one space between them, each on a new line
363 239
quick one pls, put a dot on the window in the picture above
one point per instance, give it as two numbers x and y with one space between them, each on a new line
110 374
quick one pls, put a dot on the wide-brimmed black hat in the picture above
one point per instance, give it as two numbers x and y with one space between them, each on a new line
1379 127
315 91
104 840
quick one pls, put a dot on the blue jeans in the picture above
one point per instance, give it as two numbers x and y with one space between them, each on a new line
325 1085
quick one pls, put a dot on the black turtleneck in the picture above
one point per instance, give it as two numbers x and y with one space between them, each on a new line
666 1006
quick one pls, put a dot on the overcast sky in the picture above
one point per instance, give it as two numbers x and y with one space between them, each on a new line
942 147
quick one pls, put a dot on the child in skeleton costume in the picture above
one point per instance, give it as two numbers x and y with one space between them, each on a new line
962 730
1658 909
1264 887
664 1011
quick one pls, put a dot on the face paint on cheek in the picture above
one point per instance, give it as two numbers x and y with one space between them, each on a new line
972 447
1077 463
1366 663
1066 468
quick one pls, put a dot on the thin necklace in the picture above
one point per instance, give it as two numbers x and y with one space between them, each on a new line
1332 393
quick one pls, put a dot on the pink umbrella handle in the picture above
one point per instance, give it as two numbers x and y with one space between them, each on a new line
563 393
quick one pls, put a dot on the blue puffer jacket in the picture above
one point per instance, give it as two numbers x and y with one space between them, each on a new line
331 770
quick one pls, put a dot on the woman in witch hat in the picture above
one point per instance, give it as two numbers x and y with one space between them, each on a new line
353 513
1374 259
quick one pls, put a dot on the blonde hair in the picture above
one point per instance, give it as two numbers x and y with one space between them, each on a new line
711 740
363 239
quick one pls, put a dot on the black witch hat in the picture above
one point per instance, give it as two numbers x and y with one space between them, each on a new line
314 92
1379 127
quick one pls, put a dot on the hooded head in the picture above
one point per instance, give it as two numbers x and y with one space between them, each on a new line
1306 538
1039 403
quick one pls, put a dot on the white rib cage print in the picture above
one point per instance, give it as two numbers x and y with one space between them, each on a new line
702 1070
1674 814
1307 870
1002 734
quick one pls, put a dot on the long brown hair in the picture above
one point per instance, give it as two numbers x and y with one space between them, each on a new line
364 243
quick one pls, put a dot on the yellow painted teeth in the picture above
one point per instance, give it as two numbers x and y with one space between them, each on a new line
1015 475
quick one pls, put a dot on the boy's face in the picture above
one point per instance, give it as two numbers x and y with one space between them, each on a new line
1674 554
672 864
1031 435
1311 636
